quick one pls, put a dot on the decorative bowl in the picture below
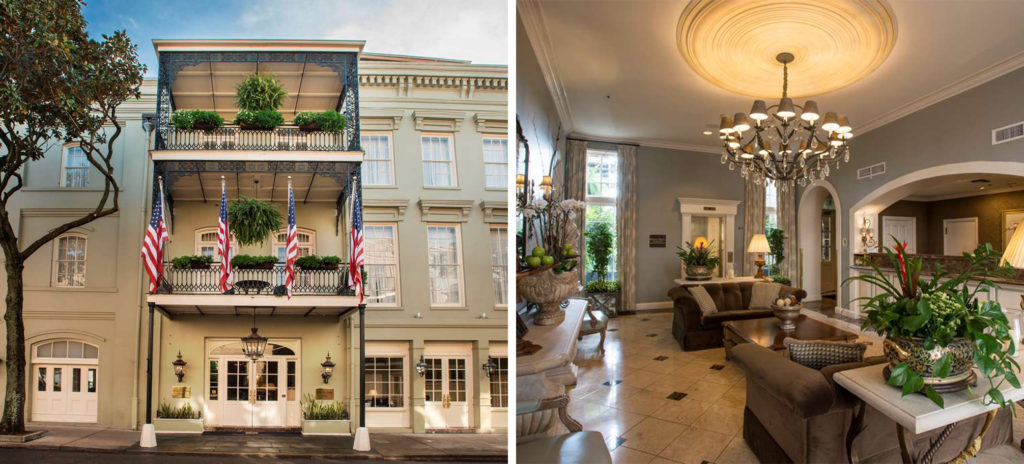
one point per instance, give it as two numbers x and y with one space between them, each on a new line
912 351
698 272
787 315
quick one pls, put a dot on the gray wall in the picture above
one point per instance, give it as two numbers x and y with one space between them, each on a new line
664 175
535 109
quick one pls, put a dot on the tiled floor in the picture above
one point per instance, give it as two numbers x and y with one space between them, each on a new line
625 394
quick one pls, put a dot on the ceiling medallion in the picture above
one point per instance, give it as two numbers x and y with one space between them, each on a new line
777 142
733 43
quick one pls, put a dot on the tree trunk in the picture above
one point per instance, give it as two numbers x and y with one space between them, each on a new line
14 402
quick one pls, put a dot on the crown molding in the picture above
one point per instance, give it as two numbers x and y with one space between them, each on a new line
968 82
654 143
537 33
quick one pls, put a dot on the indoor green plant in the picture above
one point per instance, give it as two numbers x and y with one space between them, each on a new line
196 120
253 262
548 275
253 221
776 242
258 98
936 328
699 259
604 295
328 121
192 262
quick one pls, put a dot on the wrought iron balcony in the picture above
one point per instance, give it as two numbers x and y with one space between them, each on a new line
268 281
233 138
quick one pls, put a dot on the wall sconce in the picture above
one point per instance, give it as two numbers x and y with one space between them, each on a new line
327 369
545 185
490 367
421 367
179 367
867 234
520 181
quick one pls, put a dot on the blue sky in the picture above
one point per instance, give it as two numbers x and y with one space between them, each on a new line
474 30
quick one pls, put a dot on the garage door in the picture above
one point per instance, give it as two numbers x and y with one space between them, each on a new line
65 382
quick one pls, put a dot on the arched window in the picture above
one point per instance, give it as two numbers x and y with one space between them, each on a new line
64 350
206 243
69 260
74 169
307 243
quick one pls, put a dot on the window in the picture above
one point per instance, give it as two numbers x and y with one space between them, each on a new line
444 260
67 349
499 263
307 243
602 199
385 382
74 170
381 245
214 379
378 159
496 162
771 219
499 383
69 257
438 160
206 243
432 379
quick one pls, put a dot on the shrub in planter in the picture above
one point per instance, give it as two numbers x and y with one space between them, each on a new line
310 262
185 411
253 221
253 262
330 262
196 120
259 120
604 295
192 262
328 121
259 92
313 409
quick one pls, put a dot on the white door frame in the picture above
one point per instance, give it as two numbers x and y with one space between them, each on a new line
724 209
809 239
884 237
215 414
457 415
945 231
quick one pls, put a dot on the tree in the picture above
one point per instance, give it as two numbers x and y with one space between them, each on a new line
776 238
600 243
56 85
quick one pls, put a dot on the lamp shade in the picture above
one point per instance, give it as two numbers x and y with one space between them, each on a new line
1014 253
759 244
759 111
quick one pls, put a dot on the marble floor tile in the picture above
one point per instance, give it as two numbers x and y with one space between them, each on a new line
645 402
652 435
670 383
611 396
721 418
737 452
695 446
706 391
625 455
684 411
641 378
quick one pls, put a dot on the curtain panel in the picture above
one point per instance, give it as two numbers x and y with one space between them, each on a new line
576 189
626 214
787 222
753 219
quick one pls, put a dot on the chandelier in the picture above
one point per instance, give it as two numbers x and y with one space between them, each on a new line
776 142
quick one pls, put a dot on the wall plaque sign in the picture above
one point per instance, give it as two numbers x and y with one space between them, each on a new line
657 241
325 393
181 392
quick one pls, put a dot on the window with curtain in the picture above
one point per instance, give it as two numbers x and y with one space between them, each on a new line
385 382
378 159
206 243
499 383
499 263
771 217
444 259
496 162
381 245
602 200
69 258
307 243
438 160
74 171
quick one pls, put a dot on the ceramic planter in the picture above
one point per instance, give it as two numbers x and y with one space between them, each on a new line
548 290
178 425
912 351
698 272
326 427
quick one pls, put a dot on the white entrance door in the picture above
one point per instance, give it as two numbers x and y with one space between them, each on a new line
270 396
448 398
959 236
254 392
64 393
903 228
235 409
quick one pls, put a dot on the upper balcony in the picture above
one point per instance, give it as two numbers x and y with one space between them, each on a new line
317 75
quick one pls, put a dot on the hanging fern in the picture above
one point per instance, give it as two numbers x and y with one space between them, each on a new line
259 92
253 221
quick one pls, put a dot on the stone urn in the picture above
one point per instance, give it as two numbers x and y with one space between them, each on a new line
912 351
787 316
548 290
698 272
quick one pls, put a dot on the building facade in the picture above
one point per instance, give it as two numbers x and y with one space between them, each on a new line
425 142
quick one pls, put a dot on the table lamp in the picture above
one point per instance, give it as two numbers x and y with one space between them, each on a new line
1014 255
759 245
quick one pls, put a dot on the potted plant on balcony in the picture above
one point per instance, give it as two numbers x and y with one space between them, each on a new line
937 330
253 221
253 262
192 262
328 121
603 295
322 418
178 419
699 259
196 120
314 262
258 97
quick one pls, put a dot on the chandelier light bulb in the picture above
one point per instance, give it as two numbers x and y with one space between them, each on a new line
759 111
786 110
831 122
810 113
740 122
734 144
726 126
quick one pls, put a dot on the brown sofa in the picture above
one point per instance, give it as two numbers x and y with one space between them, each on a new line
798 414
693 331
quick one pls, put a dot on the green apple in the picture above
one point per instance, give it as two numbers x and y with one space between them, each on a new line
539 252
547 260
568 251
533 261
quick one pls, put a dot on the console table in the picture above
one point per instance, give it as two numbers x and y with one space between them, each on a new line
720 280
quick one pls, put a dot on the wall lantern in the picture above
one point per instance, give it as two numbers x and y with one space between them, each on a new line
491 366
421 367
179 367
327 368
254 345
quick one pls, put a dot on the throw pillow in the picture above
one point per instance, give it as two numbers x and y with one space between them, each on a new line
704 301
763 294
817 354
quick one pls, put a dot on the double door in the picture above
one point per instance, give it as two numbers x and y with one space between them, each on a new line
253 393
447 394
64 393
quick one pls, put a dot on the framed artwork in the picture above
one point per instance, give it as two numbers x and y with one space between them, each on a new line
1011 218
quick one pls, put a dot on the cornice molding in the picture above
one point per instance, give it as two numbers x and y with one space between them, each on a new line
654 143
530 11
495 211
452 210
381 118
966 83
404 83
438 120
399 206
491 122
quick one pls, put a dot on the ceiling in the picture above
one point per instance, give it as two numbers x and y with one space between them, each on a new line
616 73
266 186
963 185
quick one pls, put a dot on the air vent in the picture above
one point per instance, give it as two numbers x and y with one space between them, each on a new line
1008 133
871 171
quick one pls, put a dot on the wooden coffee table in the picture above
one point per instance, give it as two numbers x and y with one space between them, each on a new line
766 332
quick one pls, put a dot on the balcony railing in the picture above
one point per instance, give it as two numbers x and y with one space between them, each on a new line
269 281
234 138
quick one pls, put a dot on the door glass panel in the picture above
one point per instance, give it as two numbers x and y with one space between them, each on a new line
266 381
457 380
432 376
56 379
291 380
238 381
41 383
91 387
76 380
214 379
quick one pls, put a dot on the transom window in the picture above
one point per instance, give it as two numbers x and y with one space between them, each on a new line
67 349
378 159
444 259
307 243
69 260
74 171
438 160
602 184
206 243
499 383
385 382
381 245
499 263
496 162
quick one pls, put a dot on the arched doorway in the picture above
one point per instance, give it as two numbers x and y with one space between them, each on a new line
247 393
820 261
65 388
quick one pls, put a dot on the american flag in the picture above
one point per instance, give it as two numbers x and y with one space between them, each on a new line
224 241
356 262
153 245
292 250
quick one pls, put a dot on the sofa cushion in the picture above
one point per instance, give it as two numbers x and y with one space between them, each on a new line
763 294
704 302
716 319
817 354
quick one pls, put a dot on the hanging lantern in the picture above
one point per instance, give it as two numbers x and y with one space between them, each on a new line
254 345
327 369
421 367
490 367
179 367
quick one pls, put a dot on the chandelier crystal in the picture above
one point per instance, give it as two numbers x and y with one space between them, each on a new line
785 142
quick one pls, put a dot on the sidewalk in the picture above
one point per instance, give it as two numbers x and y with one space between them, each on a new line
456 447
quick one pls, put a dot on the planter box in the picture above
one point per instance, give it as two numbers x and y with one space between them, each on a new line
178 425
326 427
610 303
